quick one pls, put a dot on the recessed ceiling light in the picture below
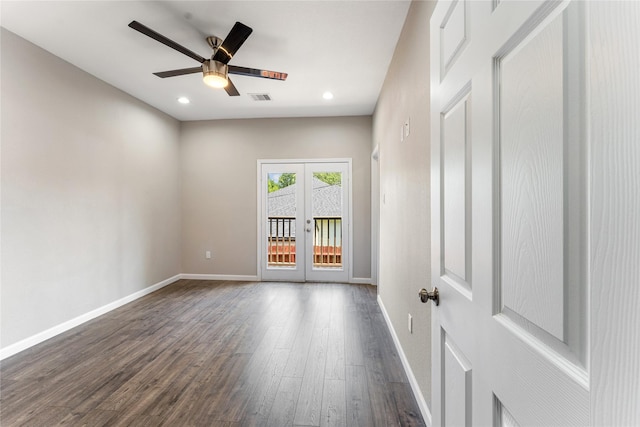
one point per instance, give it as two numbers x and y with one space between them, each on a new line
183 100
327 95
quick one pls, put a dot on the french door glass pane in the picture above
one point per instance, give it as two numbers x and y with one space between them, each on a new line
327 219
281 219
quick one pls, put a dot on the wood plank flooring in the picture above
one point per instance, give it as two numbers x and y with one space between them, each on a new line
213 353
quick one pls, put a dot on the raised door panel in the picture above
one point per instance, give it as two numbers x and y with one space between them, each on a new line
453 33
457 390
542 185
455 193
502 417
532 190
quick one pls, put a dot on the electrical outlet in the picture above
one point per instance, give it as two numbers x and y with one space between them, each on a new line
207 254
410 323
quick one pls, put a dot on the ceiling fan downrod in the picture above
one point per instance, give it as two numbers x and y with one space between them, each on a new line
214 42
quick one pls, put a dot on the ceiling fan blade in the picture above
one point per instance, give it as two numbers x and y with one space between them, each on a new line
254 72
236 37
162 39
231 89
181 72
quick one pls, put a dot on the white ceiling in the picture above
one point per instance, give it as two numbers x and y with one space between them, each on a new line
340 46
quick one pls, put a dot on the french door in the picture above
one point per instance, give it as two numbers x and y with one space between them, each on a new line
304 220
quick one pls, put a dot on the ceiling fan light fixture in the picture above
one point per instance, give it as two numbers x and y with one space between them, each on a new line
215 80
215 73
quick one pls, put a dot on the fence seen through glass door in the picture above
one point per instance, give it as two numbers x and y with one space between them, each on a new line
327 242
282 241
327 238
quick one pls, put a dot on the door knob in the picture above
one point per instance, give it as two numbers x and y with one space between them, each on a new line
308 230
426 295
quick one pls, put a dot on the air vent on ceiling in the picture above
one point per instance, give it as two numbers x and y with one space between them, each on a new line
260 96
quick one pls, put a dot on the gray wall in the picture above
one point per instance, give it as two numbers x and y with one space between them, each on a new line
90 192
404 214
219 184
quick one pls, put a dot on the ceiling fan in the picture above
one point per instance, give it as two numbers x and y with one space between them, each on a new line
215 71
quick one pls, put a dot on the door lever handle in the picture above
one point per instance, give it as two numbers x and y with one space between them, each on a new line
426 295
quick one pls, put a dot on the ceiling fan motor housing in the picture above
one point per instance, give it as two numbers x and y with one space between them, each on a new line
214 72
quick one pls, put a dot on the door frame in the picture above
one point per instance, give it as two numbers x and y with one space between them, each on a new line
260 225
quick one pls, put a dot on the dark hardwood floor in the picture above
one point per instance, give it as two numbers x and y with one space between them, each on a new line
207 353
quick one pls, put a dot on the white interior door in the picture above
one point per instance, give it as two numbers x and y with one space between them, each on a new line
305 220
509 214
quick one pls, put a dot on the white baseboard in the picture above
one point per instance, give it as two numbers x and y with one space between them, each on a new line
360 280
219 277
240 278
69 324
422 404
